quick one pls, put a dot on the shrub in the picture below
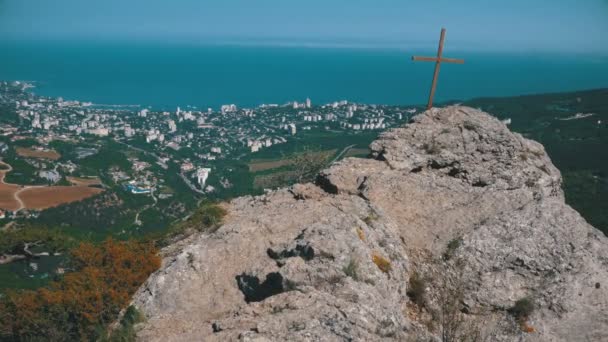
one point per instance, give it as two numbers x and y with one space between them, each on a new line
417 289
370 218
522 309
308 163
51 240
470 125
207 218
126 331
383 264
453 245
352 269
432 148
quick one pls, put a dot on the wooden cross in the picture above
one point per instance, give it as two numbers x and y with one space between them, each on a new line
438 60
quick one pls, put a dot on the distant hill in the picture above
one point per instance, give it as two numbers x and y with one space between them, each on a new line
577 146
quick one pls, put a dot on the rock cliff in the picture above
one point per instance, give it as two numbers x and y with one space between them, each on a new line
457 228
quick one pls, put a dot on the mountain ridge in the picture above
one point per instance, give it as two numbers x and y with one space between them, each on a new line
452 203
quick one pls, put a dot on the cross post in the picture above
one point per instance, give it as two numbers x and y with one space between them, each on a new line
438 60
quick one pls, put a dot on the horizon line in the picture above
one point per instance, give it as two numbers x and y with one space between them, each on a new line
308 43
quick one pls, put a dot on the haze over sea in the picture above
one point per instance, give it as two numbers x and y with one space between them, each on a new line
169 75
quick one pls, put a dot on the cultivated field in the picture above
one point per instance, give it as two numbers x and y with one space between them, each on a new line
274 180
263 165
46 197
7 194
84 181
43 154
15 197
357 152
258 165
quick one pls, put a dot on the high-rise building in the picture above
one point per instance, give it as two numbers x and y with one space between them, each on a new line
172 126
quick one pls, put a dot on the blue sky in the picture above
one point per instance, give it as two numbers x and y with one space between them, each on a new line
565 25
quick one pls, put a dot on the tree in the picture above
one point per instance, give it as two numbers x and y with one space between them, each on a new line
308 163
17 244
83 302
454 325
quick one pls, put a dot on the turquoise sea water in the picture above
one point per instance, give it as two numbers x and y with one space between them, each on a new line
167 75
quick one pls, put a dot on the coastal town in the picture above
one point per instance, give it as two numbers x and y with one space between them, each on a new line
192 138
131 170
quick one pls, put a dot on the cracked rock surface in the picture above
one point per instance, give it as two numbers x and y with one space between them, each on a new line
331 261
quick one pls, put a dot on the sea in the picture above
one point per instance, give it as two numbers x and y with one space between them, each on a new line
167 75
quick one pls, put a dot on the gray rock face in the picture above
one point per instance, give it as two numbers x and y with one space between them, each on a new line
333 261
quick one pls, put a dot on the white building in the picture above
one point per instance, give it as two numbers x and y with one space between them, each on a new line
201 176
129 132
151 137
255 146
172 125
308 103
228 108
102 132
292 128
187 166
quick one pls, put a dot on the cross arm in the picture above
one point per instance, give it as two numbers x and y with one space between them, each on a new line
434 59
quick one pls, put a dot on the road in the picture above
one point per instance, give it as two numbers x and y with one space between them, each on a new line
16 193
190 185
158 159
163 165
137 222
344 151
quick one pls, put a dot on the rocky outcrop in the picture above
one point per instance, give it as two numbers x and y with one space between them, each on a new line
453 198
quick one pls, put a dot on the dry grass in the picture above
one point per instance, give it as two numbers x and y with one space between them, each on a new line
361 234
383 264
51 196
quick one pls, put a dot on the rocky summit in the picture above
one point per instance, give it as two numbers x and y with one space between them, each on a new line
455 230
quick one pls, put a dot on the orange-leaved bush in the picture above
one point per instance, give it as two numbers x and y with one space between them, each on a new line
78 306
